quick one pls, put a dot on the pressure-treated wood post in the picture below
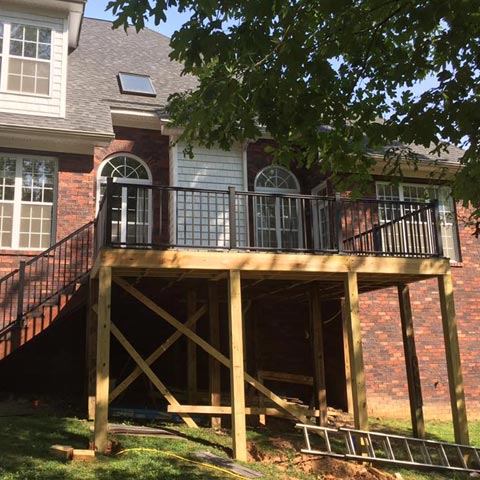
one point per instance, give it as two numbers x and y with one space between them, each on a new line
411 362
452 350
215 382
191 351
103 358
318 354
237 386
91 346
356 352
346 359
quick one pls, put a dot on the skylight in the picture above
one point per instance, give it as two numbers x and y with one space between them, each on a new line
136 84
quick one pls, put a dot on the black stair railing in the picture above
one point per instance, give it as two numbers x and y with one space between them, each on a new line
40 279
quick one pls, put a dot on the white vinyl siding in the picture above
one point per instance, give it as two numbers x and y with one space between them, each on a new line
39 103
203 220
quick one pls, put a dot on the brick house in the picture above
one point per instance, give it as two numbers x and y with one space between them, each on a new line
226 242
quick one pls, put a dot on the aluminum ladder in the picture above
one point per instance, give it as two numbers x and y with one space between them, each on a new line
351 444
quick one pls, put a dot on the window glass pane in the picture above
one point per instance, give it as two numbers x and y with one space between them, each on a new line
14 83
6 222
17 31
31 33
15 66
16 48
30 50
28 68
139 84
45 35
42 86
44 52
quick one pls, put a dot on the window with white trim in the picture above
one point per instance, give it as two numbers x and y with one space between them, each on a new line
277 219
27 194
131 205
415 192
25 58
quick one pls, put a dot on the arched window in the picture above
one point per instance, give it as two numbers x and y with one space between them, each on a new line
130 203
277 219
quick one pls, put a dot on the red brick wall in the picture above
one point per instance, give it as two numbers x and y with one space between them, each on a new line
383 348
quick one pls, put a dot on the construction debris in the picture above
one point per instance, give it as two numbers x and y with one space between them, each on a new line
83 455
62 452
227 464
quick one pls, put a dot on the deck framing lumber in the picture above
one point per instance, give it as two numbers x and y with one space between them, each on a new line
411 362
452 351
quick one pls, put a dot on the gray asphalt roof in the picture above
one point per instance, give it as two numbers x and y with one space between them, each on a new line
92 86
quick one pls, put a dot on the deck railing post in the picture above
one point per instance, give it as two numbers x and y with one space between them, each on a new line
437 230
232 217
338 222
21 292
108 212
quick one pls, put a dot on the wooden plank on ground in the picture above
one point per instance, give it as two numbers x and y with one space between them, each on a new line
227 464
411 362
454 368
237 374
294 412
149 373
153 357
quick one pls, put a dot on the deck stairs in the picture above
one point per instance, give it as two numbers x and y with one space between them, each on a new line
43 289
401 451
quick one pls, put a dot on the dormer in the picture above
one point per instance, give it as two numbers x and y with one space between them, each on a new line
35 38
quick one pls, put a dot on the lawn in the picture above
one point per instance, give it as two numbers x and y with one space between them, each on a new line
25 442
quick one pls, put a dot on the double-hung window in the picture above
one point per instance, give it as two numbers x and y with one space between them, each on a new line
25 58
27 194
414 192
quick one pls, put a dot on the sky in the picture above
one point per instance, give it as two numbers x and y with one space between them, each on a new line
96 9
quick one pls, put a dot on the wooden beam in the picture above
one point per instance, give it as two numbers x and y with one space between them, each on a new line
318 353
215 387
227 410
237 374
411 362
103 358
356 352
121 387
346 357
290 409
454 369
286 377
91 346
191 351
271 263
149 373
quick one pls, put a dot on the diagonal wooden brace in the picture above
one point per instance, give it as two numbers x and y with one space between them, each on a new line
291 410
149 373
153 357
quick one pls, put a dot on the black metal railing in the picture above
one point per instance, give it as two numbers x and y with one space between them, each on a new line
46 275
151 216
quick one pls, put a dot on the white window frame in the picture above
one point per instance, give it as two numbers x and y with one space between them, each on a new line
322 235
278 207
102 180
451 209
17 200
5 57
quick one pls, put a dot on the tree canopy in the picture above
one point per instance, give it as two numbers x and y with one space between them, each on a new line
330 80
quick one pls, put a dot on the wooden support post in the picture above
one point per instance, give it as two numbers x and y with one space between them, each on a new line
239 430
318 354
356 352
192 389
91 346
411 362
452 350
214 366
103 358
346 359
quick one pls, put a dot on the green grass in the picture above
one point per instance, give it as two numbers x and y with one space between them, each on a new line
25 442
